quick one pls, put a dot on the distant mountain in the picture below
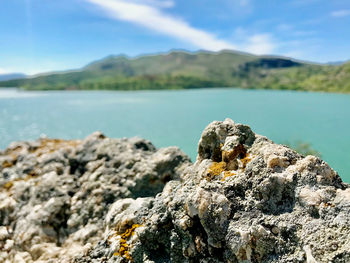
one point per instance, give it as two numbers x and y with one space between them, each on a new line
11 76
336 63
185 70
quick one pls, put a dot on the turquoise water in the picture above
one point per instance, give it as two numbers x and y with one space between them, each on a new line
178 117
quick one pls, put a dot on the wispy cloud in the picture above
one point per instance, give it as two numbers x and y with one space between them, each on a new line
341 13
4 71
260 44
149 14
156 3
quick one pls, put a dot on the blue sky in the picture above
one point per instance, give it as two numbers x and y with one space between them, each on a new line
46 35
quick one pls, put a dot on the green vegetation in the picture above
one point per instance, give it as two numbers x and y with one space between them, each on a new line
303 148
182 70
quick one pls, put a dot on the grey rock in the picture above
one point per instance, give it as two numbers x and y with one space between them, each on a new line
56 194
245 199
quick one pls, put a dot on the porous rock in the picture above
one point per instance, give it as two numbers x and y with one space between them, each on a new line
245 199
55 195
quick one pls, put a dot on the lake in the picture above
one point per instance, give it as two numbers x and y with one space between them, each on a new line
178 117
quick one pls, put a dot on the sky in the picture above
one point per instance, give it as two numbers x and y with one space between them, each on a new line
49 35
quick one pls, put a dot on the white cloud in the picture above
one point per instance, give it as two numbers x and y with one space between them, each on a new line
148 13
4 71
151 17
156 3
260 44
341 13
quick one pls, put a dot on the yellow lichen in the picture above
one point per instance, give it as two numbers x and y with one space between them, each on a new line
216 169
29 176
247 158
52 145
236 152
227 174
8 185
7 164
230 161
123 247
13 153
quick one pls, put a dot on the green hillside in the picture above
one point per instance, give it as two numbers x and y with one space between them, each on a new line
183 70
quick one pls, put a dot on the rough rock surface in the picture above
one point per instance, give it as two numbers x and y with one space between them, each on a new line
55 194
245 199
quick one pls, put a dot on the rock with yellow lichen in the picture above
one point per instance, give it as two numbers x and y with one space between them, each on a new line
245 199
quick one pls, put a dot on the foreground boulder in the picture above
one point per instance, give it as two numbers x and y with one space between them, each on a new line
55 194
245 199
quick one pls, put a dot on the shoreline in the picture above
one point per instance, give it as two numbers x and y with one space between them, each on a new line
174 90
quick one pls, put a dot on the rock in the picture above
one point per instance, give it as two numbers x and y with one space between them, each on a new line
56 194
9 244
3 233
245 199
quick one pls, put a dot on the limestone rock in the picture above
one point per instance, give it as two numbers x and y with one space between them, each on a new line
245 199
55 194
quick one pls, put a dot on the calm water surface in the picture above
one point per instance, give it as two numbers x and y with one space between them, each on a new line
178 117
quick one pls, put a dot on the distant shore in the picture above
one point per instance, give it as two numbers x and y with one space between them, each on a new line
183 70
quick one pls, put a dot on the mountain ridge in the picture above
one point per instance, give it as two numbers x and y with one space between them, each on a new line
202 69
11 76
